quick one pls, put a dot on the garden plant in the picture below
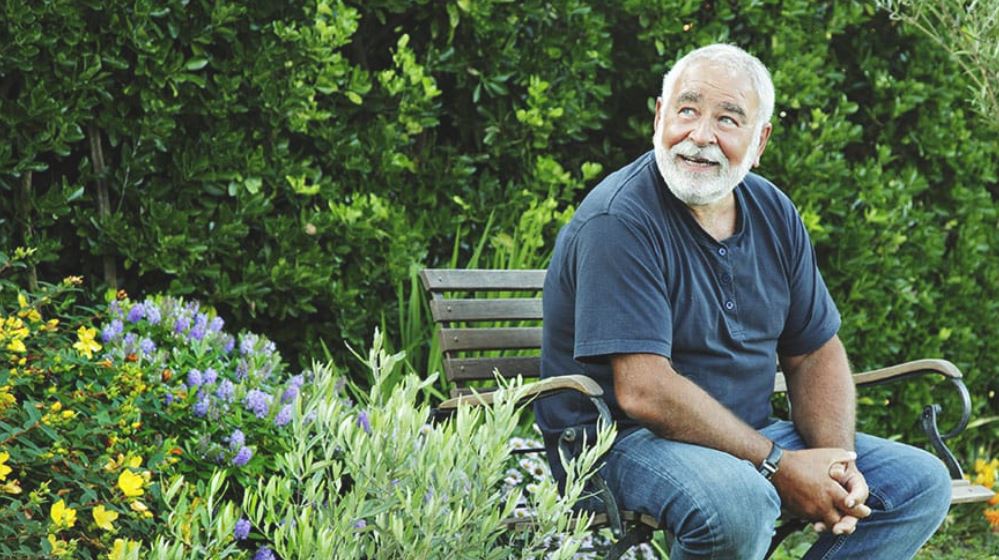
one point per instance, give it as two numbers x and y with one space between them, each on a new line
199 200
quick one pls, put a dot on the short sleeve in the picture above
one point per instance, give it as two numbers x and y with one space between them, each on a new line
812 316
621 304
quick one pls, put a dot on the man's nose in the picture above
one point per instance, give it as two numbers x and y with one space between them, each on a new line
703 132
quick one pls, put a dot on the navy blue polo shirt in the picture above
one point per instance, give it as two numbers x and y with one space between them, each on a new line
633 272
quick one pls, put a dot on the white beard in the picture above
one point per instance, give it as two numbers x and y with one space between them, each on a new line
701 189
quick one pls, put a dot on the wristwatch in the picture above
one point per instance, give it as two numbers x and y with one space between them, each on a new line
770 465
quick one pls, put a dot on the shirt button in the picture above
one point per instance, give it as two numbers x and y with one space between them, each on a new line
726 278
722 251
730 305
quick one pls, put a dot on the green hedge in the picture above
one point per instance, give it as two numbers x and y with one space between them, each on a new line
290 165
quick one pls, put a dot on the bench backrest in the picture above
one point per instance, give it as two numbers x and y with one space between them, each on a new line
484 315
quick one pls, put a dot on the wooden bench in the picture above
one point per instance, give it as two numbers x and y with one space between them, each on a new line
490 320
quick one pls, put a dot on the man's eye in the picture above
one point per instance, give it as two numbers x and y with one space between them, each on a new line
686 111
728 120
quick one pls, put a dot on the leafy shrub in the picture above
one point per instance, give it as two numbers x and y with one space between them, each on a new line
92 416
374 479
342 144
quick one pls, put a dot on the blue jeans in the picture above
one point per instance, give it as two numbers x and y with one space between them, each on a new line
718 506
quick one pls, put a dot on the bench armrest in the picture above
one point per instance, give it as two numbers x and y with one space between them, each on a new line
930 412
543 387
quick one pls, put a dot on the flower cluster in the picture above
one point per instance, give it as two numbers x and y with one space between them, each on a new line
986 474
223 384
98 407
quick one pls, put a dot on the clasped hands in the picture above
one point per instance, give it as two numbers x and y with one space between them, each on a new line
825 487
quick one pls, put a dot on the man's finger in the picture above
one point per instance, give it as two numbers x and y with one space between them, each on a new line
819 527
837 471
845 526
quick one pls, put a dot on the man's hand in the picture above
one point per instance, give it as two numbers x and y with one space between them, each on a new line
853 507
807 487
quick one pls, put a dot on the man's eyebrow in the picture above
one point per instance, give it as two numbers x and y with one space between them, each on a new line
733 108
689 97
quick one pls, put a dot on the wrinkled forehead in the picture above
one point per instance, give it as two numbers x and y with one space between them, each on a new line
718 85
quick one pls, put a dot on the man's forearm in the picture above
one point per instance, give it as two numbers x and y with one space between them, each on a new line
822 395
673 407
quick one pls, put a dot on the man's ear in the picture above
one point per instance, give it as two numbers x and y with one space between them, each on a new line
655 118
764 138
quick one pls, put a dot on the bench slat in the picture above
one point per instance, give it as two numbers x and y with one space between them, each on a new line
456 340
444 280
963 492
485 309
470 369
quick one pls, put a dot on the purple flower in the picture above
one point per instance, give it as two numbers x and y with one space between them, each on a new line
242 529
225 390
168 399
194 378
228 344
216 324
201 407
236 439
147 346
258 402
284 416
181 324
289 394
360 524
263 553
246 343
242 457
111 330
242 369
210 376
136 313
129 342
153 314
114 308
199 328
362 421
269 348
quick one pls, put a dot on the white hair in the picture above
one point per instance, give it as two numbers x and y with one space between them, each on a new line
735 59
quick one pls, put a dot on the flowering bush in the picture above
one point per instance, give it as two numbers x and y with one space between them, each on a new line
987 474
96 405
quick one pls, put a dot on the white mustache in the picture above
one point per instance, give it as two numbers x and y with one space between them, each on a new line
689 149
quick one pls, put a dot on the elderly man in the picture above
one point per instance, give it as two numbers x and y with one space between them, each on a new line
680 282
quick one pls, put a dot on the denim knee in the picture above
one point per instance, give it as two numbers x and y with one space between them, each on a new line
735 520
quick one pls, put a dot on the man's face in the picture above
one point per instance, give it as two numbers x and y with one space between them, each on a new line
706 137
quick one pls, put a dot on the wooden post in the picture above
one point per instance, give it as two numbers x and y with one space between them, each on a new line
103 199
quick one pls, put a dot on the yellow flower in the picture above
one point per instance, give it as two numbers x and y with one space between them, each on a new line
985 472
86 344
130 483
123 550
139 507
135 462
4 469
58 547
16 346
22 301
12 487
62 516
104 518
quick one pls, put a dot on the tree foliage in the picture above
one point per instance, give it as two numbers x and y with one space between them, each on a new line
290 163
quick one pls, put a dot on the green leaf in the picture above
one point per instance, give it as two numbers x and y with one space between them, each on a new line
196 63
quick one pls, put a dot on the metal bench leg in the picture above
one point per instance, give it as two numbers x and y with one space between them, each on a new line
637 534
